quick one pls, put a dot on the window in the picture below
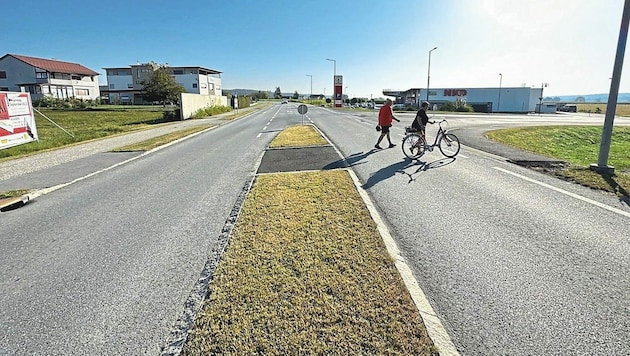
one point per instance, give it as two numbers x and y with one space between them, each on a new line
34 89
4 88
3 74
41 75
194 85
82 92
178 71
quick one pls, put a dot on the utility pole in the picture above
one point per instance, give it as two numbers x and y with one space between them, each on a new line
604 148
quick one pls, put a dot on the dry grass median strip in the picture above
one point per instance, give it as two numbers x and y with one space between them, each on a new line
298 136
306 272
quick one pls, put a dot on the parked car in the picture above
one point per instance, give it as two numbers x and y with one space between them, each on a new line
568 108
284 101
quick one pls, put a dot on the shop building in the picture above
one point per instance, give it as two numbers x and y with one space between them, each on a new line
488 100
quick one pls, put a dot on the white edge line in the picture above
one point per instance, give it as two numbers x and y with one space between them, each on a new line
603 206
432 322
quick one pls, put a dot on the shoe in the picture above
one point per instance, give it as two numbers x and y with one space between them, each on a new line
391 145
378 147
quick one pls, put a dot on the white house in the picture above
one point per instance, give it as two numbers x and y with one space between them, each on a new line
124 84
46 77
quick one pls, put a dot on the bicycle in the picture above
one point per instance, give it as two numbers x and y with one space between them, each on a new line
414 144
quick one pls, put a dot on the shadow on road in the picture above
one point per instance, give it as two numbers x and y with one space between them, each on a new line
351 160
401 168
424 166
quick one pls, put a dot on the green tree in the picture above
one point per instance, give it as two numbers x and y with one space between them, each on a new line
296 95
162 87
260 95
277 94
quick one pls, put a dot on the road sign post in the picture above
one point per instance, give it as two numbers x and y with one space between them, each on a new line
302 109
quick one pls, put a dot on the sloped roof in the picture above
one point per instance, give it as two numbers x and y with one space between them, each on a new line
54 66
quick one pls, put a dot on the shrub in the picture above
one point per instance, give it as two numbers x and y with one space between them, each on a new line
212 110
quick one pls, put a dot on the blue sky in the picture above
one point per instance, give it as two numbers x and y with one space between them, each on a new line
264 44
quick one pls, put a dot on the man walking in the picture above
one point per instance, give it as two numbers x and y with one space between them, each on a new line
385 117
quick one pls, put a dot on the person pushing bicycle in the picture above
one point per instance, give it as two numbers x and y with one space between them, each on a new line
422 119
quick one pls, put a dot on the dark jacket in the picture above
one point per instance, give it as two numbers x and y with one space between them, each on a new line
421 120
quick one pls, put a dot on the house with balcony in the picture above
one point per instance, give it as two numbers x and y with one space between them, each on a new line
124 84
46 77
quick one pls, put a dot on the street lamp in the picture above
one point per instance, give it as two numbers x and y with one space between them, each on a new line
334 65
499 101
542 86
334 96
311 96
429 71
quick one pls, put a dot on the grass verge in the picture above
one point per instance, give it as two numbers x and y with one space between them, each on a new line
14 193
84 125
161 140
307 272
579 146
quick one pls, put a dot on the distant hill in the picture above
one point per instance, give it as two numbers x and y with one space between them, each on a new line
241 92
589 98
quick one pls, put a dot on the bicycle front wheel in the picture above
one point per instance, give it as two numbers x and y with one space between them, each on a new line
413 146
449 145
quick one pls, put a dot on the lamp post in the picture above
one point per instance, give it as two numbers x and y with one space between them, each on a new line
334 65
335 93
310 96
499 101
429 71
542 86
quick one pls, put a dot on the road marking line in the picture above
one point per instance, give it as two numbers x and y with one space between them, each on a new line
259 134
432 322
573 195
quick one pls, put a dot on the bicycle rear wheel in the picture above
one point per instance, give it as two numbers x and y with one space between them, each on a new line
449 145
413 146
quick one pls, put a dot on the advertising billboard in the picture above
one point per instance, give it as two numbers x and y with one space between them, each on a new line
338 91
17 121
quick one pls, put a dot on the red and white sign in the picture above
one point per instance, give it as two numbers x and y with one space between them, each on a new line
338 79
17 121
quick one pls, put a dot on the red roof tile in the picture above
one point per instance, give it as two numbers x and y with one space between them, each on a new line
55 66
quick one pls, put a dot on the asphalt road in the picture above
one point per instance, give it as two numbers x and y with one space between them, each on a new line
513 261
105 266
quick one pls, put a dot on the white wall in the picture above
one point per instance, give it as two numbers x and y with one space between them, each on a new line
191 103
